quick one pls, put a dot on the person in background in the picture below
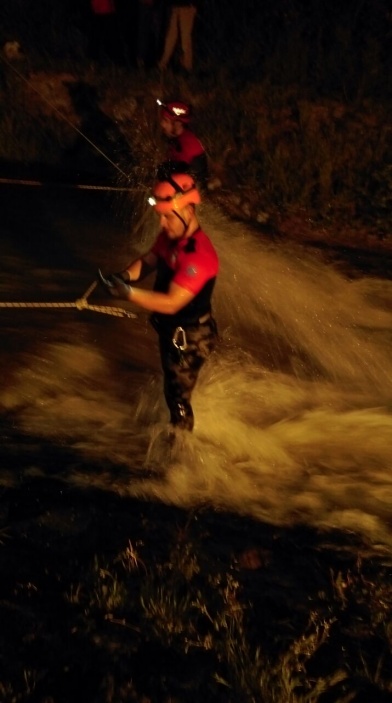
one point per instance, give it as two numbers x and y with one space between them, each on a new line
180 27
184 149
105 38
186 265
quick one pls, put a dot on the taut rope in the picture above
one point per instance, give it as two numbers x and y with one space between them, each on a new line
79 304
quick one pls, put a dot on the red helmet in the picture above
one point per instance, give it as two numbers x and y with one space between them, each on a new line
176 110
174 193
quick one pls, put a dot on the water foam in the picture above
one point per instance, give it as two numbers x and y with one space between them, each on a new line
293 412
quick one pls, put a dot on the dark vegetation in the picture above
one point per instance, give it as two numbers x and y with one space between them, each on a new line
292 100
107 600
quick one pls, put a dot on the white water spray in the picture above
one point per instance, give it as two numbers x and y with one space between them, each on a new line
293 413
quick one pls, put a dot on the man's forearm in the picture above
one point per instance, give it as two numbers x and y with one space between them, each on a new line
153 301
137 270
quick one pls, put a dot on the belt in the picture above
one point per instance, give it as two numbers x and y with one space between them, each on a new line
196 321
161 327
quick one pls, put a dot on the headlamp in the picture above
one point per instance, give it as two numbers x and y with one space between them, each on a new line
178 111
175 110
155 199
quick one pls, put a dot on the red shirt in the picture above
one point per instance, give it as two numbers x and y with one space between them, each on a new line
103 7
185 147
190 262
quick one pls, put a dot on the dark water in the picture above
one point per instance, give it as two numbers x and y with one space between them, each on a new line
293 415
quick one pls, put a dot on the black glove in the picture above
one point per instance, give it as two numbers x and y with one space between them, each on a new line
115 285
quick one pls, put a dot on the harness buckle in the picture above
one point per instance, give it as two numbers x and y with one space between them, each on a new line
179 339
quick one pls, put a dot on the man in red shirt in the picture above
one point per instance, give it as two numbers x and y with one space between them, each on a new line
186 266
184 148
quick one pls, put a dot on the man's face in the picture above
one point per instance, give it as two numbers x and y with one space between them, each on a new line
169 127
172 225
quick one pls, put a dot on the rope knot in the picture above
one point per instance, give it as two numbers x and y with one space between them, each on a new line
81 304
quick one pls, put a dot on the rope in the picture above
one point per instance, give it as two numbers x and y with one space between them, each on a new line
64 117
79 304
80 186
76 186
82 303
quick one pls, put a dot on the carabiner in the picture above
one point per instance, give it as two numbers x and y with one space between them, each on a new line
179 339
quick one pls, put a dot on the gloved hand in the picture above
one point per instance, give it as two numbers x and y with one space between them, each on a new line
115 285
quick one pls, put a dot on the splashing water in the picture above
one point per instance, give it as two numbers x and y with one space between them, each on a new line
293 412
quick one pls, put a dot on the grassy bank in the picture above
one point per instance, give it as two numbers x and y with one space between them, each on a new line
184 606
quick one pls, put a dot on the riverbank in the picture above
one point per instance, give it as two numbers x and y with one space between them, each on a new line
104 125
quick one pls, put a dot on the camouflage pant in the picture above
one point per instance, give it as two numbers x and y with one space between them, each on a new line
181 369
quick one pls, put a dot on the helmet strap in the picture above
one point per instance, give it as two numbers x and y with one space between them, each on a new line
175 185
178 189
183 222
